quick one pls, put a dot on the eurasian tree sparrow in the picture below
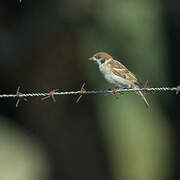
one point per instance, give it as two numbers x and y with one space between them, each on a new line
116 73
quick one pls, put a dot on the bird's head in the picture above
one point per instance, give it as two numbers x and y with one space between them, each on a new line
100 57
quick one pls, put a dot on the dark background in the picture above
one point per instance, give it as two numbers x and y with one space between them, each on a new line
44 45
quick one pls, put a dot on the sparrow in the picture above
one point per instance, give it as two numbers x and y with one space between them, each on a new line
116 73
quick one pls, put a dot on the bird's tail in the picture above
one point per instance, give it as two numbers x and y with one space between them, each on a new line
144 99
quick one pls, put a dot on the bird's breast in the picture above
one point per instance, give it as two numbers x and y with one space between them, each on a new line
108 75
112 78
104 69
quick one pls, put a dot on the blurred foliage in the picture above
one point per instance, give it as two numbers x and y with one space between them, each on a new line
45 45
21 155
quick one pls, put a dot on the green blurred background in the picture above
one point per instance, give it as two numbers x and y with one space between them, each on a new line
44 45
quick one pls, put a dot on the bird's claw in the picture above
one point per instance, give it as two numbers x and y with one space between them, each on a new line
115 90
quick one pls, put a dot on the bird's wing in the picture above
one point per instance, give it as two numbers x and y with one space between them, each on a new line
120 70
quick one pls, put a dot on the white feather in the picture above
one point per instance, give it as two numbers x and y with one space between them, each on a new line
112 78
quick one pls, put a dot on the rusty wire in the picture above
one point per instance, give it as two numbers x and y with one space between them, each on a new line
80 92
19 95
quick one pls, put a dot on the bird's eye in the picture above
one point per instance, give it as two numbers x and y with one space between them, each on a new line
98 57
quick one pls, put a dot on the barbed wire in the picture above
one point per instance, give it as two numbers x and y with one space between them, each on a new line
80 92
19 95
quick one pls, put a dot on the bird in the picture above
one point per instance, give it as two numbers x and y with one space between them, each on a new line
116 73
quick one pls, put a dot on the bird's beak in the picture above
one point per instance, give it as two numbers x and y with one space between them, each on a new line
91 58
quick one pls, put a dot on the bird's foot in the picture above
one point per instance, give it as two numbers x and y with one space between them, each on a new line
112 91
115 90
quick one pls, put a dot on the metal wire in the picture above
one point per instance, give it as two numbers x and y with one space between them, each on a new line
59 93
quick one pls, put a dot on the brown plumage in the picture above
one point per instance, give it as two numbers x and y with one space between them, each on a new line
120 70
103 55
116 73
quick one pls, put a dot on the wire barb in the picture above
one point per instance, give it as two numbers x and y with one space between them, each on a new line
82 91
19 95
146 84
52 93
177 89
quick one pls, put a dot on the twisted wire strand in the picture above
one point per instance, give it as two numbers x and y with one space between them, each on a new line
41 94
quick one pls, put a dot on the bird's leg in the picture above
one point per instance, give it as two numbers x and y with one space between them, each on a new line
122 92
115 90
112 91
